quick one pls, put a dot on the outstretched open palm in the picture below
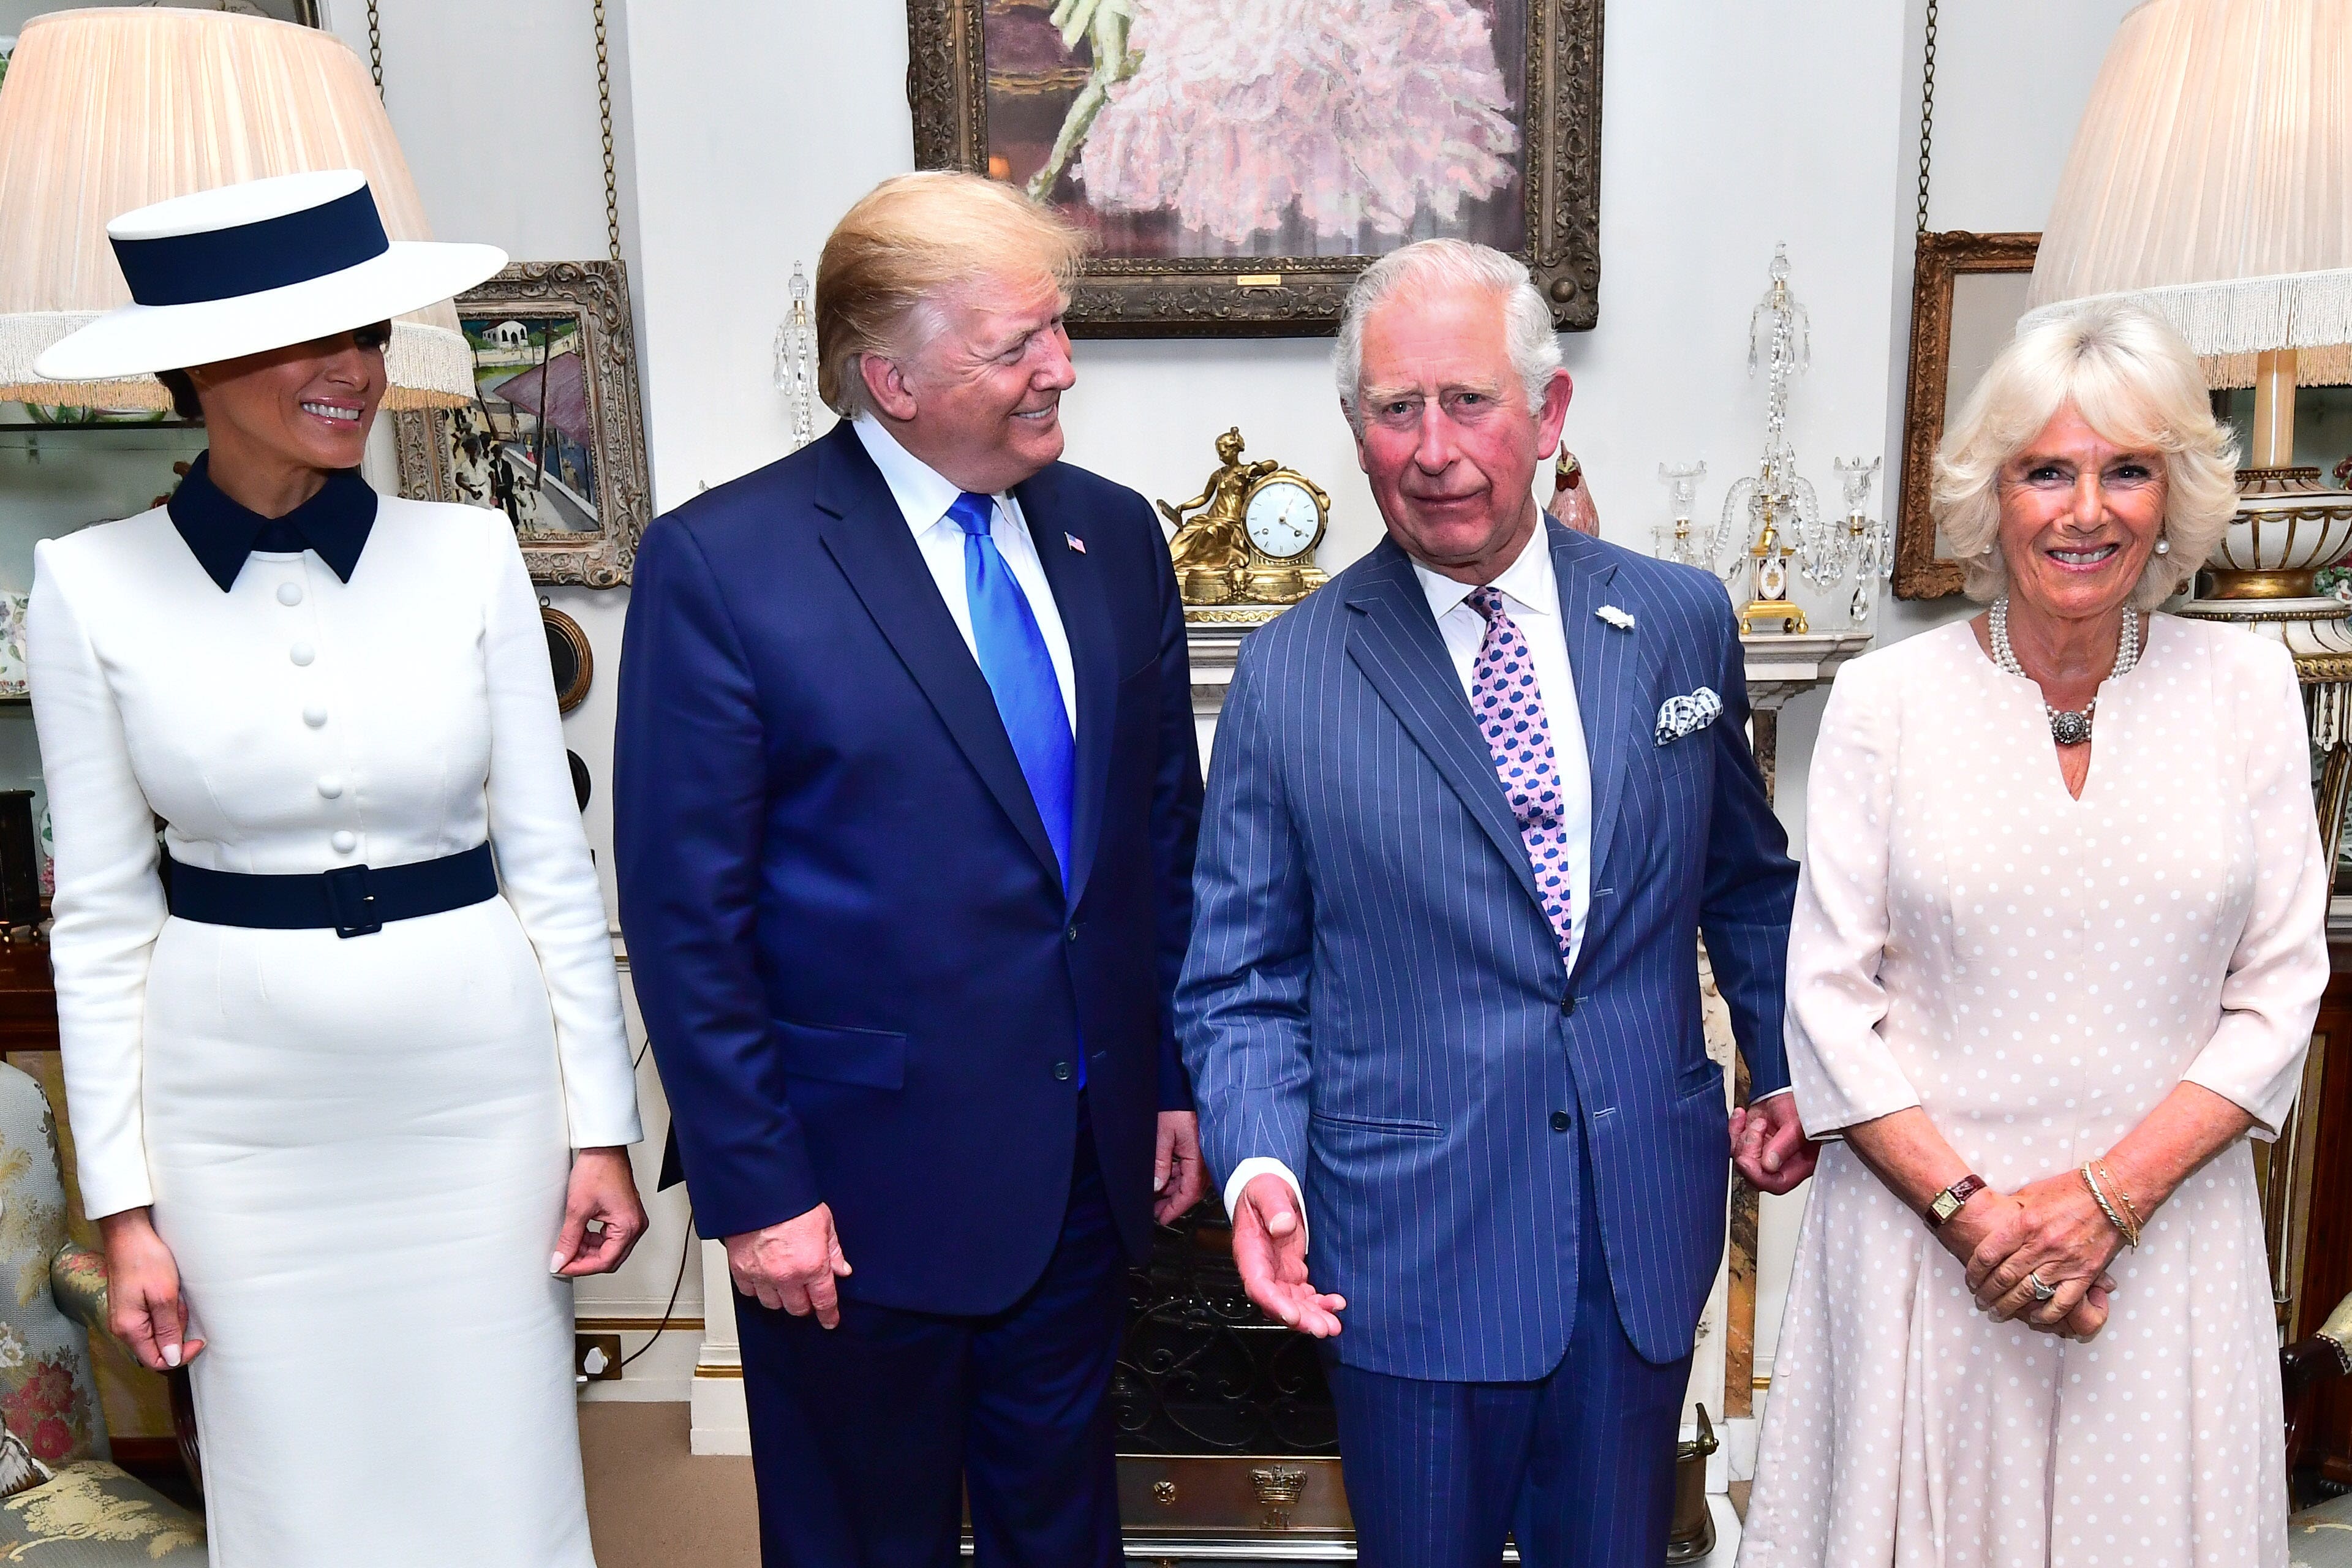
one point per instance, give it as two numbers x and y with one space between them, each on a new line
1270 1250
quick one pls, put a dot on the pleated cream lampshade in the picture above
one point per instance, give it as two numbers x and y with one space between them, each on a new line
104 110
2211 181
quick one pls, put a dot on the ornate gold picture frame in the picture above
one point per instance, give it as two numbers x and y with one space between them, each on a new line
1209 222
1968 291
553 437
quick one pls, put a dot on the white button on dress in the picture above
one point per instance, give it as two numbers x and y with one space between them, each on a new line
331 785
290 593
302 653
344 841
315 715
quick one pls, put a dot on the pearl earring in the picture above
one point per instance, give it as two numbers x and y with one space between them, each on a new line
2164 547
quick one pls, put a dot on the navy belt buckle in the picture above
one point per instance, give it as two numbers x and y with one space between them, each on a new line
354 906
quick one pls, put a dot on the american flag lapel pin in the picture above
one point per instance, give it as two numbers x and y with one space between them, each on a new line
1075 542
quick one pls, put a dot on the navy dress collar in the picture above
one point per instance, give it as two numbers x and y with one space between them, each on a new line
221 534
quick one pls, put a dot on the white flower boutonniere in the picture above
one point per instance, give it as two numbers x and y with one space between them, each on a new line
1615 617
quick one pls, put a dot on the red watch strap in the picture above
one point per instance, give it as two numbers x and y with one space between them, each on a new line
1960 1191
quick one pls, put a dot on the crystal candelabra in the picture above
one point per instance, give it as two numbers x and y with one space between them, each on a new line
1776 498
797 361
1676 541
1869 542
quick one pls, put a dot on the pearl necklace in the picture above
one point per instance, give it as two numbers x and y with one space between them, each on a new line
2066 728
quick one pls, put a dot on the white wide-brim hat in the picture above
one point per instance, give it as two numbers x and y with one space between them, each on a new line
247 268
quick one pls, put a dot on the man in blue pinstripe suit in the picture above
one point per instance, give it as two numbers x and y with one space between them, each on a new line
1470 807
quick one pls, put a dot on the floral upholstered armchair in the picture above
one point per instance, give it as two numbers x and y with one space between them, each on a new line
62 1503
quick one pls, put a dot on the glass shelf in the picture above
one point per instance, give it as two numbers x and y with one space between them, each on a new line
56 480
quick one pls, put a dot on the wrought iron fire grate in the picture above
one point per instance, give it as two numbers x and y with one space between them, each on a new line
1203 1371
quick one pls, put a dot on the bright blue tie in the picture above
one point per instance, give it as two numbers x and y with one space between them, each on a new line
1019 673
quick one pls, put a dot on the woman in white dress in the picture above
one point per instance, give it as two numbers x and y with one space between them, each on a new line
2042 984
350 1106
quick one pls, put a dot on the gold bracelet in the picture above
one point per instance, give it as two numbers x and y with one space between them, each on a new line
2105 1207
2129 1233
2138 1221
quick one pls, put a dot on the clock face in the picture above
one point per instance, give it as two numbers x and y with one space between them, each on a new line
1283 519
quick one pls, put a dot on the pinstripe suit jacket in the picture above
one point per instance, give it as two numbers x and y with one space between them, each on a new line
1374 996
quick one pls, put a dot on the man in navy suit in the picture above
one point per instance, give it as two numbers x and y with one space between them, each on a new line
1471 806
906 805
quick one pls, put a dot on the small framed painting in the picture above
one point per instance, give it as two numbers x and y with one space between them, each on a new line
1237 164
1968 291
553 437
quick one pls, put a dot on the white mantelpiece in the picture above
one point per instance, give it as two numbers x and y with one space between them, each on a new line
1778 667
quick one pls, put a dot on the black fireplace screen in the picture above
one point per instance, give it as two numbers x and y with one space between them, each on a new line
1206 1373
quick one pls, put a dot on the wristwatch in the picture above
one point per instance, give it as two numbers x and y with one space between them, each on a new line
1952 1199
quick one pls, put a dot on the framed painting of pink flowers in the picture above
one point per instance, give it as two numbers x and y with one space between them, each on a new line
1236 162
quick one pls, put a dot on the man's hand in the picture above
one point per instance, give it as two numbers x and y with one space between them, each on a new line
1769 1146
1176 1171
791 1267
1270 1250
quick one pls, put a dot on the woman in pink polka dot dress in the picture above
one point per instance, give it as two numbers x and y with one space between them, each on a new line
2057 951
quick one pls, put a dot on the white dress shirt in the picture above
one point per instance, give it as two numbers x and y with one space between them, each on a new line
1531 598
924 495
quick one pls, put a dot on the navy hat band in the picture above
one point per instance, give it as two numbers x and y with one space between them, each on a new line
226 263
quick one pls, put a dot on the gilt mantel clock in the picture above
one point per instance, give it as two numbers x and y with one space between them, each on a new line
1247 547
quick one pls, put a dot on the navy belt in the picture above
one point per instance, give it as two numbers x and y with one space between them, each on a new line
352 901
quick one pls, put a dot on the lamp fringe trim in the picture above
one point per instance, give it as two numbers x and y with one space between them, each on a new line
2228 323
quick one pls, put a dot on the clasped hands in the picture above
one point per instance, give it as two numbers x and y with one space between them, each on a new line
2051 1228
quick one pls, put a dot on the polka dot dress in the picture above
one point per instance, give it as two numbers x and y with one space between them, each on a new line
2036 972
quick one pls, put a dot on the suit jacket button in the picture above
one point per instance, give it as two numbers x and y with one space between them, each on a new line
1568 1006
1560 1120
1073 933
1062 1071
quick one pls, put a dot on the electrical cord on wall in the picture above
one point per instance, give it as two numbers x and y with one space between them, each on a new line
661 1327
684 1252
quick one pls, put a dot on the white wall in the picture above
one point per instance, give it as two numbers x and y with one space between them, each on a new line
747 127
512 156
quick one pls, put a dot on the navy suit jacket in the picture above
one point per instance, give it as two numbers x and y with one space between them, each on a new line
1375 997
864 982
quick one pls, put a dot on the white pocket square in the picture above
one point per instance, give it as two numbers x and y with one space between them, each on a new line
1681 716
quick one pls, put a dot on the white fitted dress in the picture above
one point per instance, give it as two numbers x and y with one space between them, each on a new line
356 1149
2036 972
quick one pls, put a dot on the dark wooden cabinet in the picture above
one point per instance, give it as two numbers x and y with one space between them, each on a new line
2323 1194
28 1001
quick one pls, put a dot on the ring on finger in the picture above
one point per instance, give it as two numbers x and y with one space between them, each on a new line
2041 1292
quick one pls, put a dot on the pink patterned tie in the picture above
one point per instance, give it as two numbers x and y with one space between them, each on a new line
1508 706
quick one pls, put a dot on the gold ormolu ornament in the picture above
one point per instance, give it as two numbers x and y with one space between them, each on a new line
1768 560
1252 536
